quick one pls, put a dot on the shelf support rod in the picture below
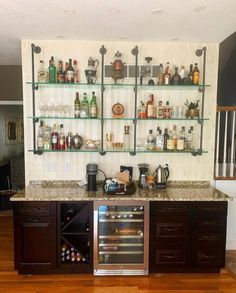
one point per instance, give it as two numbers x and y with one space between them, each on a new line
135 53
199 53
34 50
102 51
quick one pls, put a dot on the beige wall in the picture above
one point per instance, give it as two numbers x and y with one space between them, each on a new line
72 165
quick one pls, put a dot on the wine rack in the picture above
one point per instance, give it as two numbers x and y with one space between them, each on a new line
75 241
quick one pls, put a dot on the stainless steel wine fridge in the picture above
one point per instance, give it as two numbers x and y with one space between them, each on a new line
121 233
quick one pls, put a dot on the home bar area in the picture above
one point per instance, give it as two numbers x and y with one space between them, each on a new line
119 160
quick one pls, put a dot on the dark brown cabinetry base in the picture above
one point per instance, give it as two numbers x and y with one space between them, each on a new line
187 236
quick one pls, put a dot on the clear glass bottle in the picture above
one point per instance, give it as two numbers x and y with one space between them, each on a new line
40 137
175 136
170 142
61 138
160 110
42 73
143 114
189 140
77 106
93 106
159 141
126 138
84 111
47 138
150 141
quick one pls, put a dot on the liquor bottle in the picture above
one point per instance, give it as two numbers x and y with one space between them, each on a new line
170 142
183 133
150 141
64 247
93 106
77 106
160 110
183 75
190 74
159 141
52 71
195 74
194 143
165 138
70 72
47 138
150 106
61 138
161 74
167 111
176 79
54 137
69 143
40 137
60 75
181 141
42 73
167 75
76 72
65 72
143 114
175 136
189 140
84 111
126 138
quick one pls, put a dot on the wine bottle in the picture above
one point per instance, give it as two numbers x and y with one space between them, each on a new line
69 215
52 71
70 72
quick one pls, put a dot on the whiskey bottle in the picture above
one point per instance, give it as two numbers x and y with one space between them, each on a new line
176 79
195 74
150 107
70 72
60 75
77 106
76 72
42 73
52 71
61 139
93 106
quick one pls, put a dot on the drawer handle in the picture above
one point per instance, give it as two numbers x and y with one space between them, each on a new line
34 220
171 256
170 229
207 237
204 256
209 223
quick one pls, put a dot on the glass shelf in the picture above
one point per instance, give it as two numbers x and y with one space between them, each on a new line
124 85
121 119
119 151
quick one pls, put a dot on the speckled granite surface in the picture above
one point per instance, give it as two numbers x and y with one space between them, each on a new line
71 191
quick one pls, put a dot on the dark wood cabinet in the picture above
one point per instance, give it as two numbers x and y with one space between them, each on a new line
35 236
187 236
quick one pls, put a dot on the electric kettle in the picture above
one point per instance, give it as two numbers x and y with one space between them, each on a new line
161 176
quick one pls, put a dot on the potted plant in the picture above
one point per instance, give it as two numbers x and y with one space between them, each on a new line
192 110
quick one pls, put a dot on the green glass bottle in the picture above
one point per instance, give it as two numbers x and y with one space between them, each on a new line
52 71
84 112
93 107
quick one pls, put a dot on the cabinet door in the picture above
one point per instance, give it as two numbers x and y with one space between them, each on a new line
35 243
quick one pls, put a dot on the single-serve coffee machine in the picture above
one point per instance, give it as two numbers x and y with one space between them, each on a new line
91 172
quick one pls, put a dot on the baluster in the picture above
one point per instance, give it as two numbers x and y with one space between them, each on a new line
225 144
232 147
217 146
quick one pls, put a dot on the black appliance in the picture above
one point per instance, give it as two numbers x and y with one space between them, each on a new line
91 172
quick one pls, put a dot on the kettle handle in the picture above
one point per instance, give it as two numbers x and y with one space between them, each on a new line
96 62
167 171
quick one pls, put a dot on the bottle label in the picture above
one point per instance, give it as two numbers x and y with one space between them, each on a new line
180 144
70 76
54 139
196 78
170 144
40 142
150 111
93 111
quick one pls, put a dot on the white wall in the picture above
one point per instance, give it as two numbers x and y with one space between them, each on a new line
72 165
14 150
229 187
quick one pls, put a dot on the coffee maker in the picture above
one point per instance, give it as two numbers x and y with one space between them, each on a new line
91 172
143 169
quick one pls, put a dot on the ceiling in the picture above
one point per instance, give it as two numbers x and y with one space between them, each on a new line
208 21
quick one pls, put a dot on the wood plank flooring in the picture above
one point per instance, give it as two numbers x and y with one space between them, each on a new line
11 282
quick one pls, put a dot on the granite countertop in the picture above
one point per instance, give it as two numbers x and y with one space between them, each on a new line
71 191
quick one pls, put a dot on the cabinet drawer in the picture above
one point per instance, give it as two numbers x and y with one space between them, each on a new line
210 208
169 208
206 255
35 208
167 254
172 229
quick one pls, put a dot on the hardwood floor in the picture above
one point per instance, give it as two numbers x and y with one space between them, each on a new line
11 282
